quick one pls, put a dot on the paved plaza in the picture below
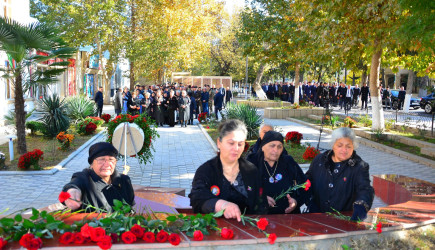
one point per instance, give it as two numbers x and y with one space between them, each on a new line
178 153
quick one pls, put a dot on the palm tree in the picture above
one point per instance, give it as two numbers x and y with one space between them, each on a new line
20 42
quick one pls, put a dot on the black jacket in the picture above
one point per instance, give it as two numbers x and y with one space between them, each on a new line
364 92
342 188
211 174
291 175
98 193
99 98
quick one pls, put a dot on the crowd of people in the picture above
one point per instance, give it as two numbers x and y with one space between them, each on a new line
174 103
319 94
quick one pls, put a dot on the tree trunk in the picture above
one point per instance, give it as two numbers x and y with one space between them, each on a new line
377 111
397 81
320 74
20 115
297 83
133 32
258 90
408 91
353 78
345 76
364 75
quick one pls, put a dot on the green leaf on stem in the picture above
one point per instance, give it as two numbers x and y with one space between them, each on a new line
171 218
7 222
219 214
27 224
18 218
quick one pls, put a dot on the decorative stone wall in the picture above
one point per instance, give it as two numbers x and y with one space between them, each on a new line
264 104
272 113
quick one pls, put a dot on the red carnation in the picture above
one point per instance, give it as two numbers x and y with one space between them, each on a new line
105 242
66 238
149 237
261 191
114 237
307 185
174 239
246 146
86 230
272 238
63 196
137 231
26 239
227 233
35 244
379 227
197 235
128 237
79 238
262 223
162 236
3 243
97 234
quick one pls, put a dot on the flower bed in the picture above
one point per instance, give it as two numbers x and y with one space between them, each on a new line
146 124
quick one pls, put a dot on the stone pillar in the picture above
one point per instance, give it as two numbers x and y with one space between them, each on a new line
397 81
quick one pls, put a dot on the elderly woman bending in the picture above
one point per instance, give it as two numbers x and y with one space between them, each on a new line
100 184
227 181
340 178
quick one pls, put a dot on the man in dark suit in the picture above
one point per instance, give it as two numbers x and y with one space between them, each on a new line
401 97
285 91
364 96
356 93
99 101
341 92
291 90
228 95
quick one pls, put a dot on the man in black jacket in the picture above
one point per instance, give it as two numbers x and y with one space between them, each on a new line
292 93
99 101
386 96
401 97
364 96
356 93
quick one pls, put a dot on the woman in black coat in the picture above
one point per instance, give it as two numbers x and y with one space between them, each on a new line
279 172
100 184
340 179
227 182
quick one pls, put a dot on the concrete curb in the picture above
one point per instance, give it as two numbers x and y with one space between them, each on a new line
212 143
378 146
60 165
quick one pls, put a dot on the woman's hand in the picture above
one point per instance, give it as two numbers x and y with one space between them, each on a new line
74 202
292 204
232 211
271 201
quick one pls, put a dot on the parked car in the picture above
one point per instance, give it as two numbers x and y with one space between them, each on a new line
428 103
415 102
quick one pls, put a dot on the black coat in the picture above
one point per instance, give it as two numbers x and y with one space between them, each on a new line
291 175
99 98
342 188
364 92
98 193
211 174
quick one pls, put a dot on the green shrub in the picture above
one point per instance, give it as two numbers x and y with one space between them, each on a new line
389 124
10 117
35 126
248 115
365 120
55 119
80 107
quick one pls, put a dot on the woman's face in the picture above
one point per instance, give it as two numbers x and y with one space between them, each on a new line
272 150
232 145
343 149
104 166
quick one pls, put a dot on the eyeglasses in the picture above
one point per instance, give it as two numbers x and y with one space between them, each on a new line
103 160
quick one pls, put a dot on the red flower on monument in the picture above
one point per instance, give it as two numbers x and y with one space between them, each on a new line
63 196
30 242
262 223
162 236
174 239
86 230
271 238
227 233
3 243
105 242
66 238
149 237
128 237
198 236
137 231
97 234
79 238
379 227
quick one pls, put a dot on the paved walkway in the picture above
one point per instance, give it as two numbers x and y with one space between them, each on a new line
179 152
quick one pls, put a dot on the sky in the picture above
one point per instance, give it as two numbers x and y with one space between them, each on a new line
231 5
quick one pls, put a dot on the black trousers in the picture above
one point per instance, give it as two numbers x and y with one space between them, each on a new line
99 110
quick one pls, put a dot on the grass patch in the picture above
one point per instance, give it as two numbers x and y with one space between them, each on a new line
416 239
52 156
404 147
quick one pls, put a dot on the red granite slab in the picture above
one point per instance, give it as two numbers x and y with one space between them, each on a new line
331 221
178 191
169 199
304 226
